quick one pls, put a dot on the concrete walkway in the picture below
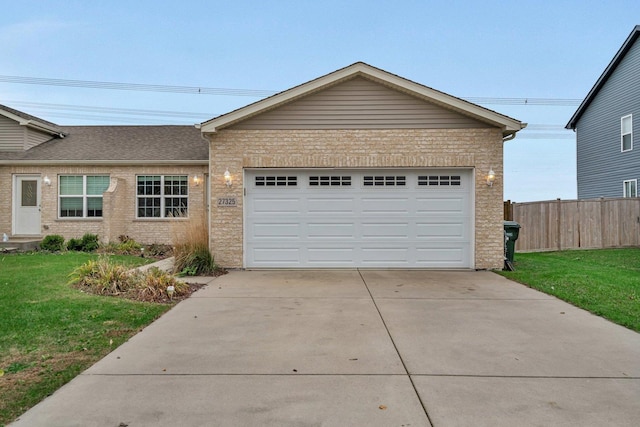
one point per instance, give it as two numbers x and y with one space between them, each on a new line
361 348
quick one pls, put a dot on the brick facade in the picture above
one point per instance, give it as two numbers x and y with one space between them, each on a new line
119 202
477 149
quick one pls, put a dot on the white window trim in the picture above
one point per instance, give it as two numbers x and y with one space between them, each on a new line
630 117
624 187
162 197
84 195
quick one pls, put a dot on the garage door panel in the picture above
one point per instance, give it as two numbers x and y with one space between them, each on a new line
453 204
331 205
389 256
385 230
384 206
392 222
275 256
331 256
268 230
331 230
276 205
438 230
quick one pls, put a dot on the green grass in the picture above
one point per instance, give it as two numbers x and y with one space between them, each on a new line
51 332
605 282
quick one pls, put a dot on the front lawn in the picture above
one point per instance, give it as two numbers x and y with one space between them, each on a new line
605 282
50 331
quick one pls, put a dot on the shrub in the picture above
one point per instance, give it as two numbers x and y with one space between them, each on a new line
158 250
124 238
52 243
90 242
74 245
191 248
103 277
129 247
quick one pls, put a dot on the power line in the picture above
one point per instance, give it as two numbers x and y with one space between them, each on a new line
89 84
200 90
559 102
136 116
122 111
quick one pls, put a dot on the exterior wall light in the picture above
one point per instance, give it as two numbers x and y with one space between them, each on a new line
47 181
491 177
196 180
227 178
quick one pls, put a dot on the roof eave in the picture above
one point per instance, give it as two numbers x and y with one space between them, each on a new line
34 124
628 43
42 127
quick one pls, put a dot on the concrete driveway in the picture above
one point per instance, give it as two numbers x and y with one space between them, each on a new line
361 348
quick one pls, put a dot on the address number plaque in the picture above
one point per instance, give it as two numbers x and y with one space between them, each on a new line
227 202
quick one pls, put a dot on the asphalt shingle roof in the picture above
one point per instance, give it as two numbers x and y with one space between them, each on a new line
119 143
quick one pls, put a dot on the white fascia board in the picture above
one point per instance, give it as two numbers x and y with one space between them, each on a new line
30 123
41 127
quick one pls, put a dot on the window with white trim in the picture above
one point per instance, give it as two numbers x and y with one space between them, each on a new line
330 180
162 196
626 133
276 181
439 180
384 180
80 196
630 188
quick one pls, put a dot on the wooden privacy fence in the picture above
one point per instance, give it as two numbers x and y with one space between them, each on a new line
577 224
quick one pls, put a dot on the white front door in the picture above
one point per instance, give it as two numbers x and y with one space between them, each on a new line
26 202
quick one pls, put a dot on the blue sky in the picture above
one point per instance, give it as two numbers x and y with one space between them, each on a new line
490 49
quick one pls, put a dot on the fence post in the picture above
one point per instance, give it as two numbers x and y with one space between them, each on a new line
559 204
602 222
508 211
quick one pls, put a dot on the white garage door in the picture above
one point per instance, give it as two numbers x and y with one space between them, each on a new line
358 218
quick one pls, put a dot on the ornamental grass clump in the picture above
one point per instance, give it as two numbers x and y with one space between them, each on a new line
103 277
192 256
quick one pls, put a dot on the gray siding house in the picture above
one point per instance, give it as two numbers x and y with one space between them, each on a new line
607 124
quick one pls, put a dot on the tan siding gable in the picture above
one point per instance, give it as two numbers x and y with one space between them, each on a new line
359 103
12 135
35 138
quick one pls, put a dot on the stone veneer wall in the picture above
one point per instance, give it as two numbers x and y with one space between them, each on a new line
479 149
119 202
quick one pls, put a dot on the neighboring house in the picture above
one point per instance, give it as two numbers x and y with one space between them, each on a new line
607 124
358 168
107 180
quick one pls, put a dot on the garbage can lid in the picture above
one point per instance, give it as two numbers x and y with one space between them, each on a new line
511 224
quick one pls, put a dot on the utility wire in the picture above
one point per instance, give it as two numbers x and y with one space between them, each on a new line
199 90
135 86
110 114
109 110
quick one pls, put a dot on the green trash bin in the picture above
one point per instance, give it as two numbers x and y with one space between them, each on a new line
511 231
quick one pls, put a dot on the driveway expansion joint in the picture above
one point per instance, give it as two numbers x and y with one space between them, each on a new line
404 366
548 377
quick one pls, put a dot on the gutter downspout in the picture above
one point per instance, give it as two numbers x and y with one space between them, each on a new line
513 134
509 137
208 190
